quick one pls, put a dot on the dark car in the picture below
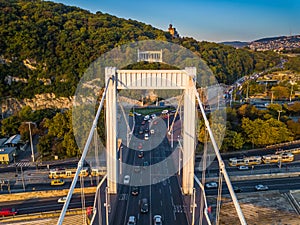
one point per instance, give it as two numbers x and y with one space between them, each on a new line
144 206
141 154
135 191
237 189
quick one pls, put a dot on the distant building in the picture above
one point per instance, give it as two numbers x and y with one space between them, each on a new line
173 31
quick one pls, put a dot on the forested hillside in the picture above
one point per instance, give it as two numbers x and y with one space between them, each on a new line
48 46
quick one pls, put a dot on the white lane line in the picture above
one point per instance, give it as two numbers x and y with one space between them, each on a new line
170 189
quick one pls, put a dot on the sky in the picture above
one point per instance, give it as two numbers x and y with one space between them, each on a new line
209 20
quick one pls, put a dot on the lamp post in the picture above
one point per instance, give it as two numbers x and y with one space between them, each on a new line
292 83
279 111
14 155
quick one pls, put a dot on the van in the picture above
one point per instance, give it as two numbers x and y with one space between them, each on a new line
56 182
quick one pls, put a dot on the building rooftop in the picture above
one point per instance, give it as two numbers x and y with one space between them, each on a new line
15 139
7 150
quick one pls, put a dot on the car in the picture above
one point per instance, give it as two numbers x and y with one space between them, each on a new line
261 187
237 189
147 117
62 199
135 191
141 130
126 179
144 206
243 168
145 164
57 182
137 114
137 169
131 220
165 111
8 211
146 137
152 131
140 146
211 185
141 154
157 220
143 122
153 116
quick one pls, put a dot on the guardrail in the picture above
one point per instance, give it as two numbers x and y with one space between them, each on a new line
32 216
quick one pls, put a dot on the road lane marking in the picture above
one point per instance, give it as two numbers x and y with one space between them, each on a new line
170 189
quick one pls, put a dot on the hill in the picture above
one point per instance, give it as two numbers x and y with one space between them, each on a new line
235 44
282 43
45 47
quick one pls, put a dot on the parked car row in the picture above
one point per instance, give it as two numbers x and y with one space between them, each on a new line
214 185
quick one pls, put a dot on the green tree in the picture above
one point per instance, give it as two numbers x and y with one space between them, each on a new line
232 140
262 133
10 126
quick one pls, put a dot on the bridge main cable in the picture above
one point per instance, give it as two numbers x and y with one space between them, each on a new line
84 153
221 163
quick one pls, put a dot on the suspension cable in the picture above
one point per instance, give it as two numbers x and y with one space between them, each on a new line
84 153
204 158
179 105
82 200
219 199
221 162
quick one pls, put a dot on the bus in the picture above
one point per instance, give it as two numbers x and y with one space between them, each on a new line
251 160
67 173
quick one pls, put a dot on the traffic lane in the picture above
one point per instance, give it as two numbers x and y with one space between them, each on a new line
259 169
283 184
167 199
46 204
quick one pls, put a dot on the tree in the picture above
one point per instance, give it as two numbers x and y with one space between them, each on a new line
294 127
262 133
232 140
280 92
9 126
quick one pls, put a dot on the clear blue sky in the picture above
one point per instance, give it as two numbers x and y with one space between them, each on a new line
211 20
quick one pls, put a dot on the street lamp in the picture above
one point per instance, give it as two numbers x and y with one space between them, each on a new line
292 83
279 111
14 155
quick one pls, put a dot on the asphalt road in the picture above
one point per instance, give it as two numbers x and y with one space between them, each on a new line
46 204
281 184
164 197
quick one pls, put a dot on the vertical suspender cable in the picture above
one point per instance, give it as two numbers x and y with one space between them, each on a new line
221 163
84 152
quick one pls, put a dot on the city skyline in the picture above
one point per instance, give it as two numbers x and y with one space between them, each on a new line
214 20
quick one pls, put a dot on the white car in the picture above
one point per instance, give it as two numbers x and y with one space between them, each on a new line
261 187
131 220
153 116
146 137
211 185
126 179
147 117
157 220
62 200
243 168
